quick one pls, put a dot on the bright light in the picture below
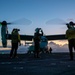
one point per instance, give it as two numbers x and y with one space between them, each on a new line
60 42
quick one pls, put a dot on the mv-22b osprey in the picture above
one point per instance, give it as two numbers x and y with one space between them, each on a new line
5 36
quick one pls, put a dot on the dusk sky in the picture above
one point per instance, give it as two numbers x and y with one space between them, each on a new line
38 12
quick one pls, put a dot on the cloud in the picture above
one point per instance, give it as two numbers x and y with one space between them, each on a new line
59 48
61 42
23 49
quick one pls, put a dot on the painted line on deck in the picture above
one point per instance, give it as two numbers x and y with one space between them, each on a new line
12 62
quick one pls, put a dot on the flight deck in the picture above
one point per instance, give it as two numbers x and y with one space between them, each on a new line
47 64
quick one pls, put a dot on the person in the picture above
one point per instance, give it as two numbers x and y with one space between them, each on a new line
70 35
36 44
15 40
50 50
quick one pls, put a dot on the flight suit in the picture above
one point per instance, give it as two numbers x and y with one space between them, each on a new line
15 40
36 46
70 34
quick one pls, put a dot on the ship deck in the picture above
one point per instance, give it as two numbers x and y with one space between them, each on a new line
47 64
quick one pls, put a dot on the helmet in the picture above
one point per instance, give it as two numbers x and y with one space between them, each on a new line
4 23
71 23
37 29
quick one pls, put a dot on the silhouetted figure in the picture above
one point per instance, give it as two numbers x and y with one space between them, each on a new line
38 33
15 40
36 46
70 34
50 50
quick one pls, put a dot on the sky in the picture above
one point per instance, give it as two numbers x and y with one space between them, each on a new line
38 13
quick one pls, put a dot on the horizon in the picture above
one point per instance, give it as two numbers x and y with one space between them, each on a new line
24 48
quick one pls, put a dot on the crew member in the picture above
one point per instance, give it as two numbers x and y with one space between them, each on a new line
70 34
15 40
36 43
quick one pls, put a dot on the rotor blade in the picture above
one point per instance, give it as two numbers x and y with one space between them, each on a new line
70 19
9 23
56 21
22 21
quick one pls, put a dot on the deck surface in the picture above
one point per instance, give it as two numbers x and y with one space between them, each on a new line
48 64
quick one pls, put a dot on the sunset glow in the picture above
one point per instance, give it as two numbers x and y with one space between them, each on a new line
60 42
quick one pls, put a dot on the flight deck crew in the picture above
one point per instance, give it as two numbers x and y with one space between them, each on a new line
15 40
37 36
36 46
70 34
